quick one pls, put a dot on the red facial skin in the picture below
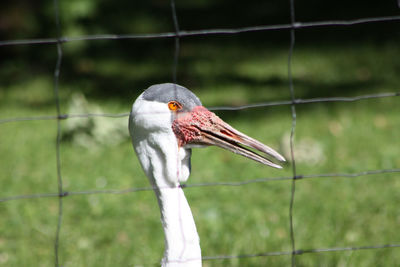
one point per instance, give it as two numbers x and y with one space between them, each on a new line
202 127
187 126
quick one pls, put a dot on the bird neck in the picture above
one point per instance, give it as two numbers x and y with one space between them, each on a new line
182 244
166 165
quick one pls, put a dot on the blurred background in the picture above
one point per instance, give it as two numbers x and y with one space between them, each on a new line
105 76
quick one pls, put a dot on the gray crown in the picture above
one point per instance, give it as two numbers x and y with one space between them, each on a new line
167 92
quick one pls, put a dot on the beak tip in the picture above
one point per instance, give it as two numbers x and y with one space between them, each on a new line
280 157
271 164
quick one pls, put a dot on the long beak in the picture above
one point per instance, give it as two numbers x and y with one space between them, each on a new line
202 127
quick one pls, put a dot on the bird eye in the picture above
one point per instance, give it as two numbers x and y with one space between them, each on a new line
173 105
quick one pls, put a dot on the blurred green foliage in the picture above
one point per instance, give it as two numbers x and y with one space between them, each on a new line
133 63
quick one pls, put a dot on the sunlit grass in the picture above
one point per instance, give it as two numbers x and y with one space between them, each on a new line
125 230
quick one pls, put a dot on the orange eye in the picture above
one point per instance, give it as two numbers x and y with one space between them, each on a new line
173 105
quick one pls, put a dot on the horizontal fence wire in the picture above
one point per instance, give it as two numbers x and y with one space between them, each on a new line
217 108
299 252
177 34
182 33
210 184
296 252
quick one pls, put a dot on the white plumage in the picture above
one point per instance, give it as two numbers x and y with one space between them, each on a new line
166 121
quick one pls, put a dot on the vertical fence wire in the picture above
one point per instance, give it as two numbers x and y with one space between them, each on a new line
175 81
58 137
292 131
177 42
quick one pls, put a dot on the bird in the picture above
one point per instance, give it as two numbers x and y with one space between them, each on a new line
166 121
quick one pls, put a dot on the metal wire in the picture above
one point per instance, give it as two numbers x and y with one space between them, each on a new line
292 131
218 108
211 184
58 137
299 252
296 25
177 34
177 45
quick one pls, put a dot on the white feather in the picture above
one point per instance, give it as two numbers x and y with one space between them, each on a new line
166 166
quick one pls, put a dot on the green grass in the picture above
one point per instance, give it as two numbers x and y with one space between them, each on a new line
124 229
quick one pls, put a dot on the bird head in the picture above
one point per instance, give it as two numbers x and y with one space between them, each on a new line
174 109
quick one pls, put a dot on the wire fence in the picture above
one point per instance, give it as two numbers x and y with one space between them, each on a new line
177 35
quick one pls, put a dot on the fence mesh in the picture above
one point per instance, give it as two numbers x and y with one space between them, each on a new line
177 35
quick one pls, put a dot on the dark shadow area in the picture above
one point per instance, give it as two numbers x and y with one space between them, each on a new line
121 69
